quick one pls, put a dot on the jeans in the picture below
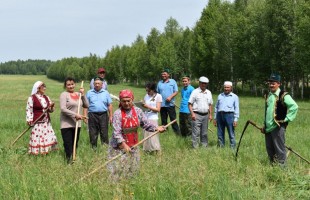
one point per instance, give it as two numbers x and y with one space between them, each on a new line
164 112
200 130
225 119
185 120
98 124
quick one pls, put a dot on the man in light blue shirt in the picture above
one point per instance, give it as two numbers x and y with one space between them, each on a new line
226 114
99 113
168 89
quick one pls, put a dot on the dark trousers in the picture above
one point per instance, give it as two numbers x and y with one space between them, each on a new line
275 145
185 120
98 124
164 112
68 139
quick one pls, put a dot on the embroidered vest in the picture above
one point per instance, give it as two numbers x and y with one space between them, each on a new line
280 109
130 125
38 108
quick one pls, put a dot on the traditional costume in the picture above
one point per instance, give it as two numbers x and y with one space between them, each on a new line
42 138
125 129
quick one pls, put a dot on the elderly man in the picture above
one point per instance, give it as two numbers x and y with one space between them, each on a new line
226 114
200 105
99 113
168 89
280 109
100 74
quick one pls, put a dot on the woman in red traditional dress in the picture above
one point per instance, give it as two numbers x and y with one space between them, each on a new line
42 138
126 121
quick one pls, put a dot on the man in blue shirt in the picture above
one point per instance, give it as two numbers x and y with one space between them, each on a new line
99 113
226 114
185 117
168 89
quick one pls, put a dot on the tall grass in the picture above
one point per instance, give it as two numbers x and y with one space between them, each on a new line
180 172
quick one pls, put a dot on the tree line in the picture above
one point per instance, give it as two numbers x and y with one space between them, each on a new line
244 42
28 67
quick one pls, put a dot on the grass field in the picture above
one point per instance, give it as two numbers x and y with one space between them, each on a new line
178 173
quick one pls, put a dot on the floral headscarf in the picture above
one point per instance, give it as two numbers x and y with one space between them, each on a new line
36 87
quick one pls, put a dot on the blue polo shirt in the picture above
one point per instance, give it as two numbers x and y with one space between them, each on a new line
166 89
185 93
98 101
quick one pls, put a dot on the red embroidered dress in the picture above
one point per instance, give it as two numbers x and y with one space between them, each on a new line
130 125
42 137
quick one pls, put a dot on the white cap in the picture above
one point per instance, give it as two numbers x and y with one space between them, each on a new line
204 79
228 83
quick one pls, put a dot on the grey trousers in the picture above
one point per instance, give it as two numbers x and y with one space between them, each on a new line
200 130
275 145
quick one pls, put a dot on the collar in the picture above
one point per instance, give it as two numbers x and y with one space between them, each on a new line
167 81
200 90
95 91
276 93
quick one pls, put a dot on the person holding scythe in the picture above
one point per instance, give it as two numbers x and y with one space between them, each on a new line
280 109
126 121
42 138
69 115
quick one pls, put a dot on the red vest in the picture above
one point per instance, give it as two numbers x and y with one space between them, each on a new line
38 108
130 126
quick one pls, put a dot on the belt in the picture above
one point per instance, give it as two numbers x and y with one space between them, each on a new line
99 113
199 113
223 112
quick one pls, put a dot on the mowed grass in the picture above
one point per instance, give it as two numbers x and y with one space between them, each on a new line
178 173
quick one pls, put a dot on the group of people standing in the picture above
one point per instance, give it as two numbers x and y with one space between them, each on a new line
195 113
97 113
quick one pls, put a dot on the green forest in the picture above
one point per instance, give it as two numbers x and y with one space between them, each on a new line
242 41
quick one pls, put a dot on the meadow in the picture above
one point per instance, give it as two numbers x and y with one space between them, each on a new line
180 172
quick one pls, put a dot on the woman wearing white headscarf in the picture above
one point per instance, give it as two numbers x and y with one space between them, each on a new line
42 138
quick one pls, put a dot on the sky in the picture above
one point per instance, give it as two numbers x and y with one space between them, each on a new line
55 29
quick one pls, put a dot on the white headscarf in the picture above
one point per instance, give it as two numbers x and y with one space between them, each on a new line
36 86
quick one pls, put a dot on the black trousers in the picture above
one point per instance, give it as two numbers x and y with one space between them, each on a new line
98 124
164 112
185 120
68 139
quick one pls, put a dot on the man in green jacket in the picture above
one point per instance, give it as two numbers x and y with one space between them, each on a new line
279 111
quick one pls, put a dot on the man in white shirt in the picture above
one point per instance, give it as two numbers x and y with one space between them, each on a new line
200 105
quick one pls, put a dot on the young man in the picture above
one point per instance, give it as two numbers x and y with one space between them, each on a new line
200 105
226 114
185 117
168 89
280 109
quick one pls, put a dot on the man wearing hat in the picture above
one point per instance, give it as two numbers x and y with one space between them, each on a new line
226 114
200 105
101 75
168 89
280 109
